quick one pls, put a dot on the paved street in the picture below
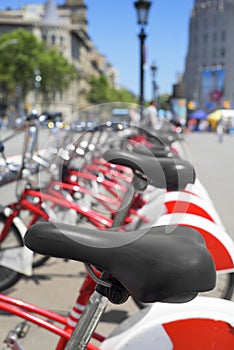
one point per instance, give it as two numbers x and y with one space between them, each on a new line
213 162
54 285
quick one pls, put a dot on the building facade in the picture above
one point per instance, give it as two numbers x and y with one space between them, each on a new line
209 70
65 28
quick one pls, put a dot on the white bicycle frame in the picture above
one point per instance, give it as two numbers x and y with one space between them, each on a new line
18 259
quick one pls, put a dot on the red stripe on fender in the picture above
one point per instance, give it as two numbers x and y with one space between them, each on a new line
202 334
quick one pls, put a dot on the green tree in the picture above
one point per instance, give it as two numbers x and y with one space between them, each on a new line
19 51
164 101
102 92
98 90
56 73
21 54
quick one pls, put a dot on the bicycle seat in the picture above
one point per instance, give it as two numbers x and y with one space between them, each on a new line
152 265
168 173
162 138
155 151
168 138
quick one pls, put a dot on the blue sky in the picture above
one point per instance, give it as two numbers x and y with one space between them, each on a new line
114 30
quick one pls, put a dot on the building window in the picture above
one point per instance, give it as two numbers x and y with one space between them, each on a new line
61 40
223 52
44 37
53 39
223 36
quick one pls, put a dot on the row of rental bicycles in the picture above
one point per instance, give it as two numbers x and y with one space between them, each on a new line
127 204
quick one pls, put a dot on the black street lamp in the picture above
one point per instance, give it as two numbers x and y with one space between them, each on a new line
154 85
142 8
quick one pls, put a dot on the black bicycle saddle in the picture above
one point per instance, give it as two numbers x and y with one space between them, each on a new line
167 138
160 137
154 151
169 173
152 265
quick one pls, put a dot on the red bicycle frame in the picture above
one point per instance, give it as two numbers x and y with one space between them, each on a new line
36 315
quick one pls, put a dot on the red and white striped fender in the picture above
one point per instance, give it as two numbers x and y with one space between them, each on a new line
199 190
218 242
194 200
203 323
183 202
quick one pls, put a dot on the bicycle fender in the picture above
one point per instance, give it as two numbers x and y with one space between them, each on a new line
203 323
191 204
199 189
19 259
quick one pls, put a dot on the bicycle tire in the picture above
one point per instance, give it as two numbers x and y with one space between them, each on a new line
226 292
9 277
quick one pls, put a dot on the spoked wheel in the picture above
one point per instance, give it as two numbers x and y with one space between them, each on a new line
224 289
9 277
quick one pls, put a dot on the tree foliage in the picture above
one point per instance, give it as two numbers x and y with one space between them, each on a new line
55 71
164 101
102 92
21 54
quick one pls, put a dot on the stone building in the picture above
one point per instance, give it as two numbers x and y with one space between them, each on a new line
209 73
66 28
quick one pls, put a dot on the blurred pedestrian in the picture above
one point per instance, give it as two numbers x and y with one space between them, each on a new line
135 117
220 129
150 116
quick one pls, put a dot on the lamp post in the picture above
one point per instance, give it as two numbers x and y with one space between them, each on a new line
154 85
142 8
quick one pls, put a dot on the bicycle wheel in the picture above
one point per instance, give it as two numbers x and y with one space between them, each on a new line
224 289
9 277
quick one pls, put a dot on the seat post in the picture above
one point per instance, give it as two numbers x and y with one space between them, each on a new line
88 322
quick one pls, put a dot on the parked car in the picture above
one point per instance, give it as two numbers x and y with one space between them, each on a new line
82 125
51 119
